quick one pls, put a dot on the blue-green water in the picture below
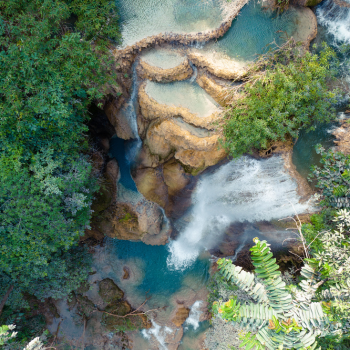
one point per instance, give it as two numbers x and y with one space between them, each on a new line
190 337
143 18
158 279
254 31
304 152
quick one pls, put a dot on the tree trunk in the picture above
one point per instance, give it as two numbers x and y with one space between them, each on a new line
4 299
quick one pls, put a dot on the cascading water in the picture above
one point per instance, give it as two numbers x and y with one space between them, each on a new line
159 333
133 146
335 16
242 190
195 72
195 315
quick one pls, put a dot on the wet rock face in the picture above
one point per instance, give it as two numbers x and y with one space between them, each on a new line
161 184
117 116
178 73
109 291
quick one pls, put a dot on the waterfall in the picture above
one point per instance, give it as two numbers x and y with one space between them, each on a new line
133 146
245 189
195 314
336 18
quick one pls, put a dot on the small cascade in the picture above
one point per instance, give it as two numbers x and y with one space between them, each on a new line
195 72
159 333
242 190
335 16
195 314
133 147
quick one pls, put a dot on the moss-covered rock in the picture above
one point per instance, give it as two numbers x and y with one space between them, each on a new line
109 291
85 306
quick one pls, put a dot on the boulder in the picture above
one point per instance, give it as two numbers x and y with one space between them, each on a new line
342 135
175 177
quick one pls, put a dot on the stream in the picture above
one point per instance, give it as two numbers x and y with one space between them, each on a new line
239 199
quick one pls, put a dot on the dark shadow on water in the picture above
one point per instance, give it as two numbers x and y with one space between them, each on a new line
117 151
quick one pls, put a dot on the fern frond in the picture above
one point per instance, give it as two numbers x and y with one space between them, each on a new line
243 279
267 269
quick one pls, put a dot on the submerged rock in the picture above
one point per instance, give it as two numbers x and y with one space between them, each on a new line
109 291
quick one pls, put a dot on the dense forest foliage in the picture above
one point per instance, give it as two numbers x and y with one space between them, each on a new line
54 61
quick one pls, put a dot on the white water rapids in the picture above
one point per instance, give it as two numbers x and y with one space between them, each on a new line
245 189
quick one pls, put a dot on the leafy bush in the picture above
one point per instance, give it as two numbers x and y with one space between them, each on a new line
289 91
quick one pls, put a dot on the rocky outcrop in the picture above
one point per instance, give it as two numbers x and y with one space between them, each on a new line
180 72
128 54
133 217
151 110
150 182
342 135
218 92
117 113
218 65
307 26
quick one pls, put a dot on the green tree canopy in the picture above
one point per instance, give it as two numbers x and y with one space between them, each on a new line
54 61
